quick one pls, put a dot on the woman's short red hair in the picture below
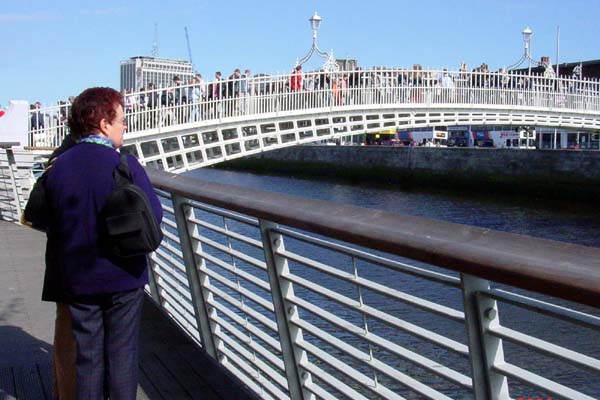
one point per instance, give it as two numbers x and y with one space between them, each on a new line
90 107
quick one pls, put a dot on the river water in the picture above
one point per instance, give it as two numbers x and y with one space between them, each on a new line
572 223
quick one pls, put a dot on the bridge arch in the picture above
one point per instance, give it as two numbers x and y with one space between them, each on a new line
190 146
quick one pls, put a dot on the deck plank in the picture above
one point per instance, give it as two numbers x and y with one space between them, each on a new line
165 381
146 388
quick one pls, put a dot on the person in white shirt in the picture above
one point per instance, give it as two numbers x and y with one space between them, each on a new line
198 96
245 90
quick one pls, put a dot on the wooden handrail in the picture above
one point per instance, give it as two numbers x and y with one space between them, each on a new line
563 270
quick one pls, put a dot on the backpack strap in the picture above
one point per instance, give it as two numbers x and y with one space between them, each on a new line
122 174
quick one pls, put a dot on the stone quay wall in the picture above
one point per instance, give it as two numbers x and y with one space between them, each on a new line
546 173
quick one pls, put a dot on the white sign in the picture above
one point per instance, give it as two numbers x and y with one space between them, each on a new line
14 122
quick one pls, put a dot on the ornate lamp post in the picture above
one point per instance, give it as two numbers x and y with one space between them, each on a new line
527 33
330 64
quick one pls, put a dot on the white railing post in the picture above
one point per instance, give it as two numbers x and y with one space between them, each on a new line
200 299
484 350
12 168
285 312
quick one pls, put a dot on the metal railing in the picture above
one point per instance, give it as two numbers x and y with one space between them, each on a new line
307 299
263 95
18 169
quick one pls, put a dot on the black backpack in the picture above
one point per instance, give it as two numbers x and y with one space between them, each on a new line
129 226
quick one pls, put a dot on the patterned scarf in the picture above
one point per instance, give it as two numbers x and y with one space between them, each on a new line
97 139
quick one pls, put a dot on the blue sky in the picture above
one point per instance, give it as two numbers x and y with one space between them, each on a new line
54 49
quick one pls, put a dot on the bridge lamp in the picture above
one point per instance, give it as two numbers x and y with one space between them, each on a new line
527 33
315 23
330 65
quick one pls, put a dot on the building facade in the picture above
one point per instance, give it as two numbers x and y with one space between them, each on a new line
137 72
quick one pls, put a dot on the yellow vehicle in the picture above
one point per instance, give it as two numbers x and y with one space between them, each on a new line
387 137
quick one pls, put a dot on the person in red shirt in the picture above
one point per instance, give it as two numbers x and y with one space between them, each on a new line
296 79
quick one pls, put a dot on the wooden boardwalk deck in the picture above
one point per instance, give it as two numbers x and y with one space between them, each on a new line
171 365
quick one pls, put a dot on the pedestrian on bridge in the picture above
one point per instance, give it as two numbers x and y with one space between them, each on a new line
104 293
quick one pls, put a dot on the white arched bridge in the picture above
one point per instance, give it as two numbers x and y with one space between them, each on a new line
203 123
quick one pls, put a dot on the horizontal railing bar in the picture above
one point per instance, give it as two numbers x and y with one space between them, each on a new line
319 391
250 372
244 340
245 379
171 253
176 305
361 379
225 213
545 347
372 258
423 304
178 288
388 319
242 291
243 308
542 307
374 363
266 372
256 331
165 287
175 264
529 263
168 209
228 233
540 382
430 365
174 281
325 376
230 251
238 272
184 324
170 236
169 223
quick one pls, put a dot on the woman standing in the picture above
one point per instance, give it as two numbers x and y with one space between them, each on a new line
104 293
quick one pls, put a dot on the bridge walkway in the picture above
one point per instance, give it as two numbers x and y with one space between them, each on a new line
171 366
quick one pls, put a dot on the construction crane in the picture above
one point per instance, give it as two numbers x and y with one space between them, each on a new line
187 39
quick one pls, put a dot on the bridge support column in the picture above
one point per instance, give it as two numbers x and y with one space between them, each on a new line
285 312
197 280
485 351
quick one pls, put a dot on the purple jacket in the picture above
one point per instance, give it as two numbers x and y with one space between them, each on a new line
77 187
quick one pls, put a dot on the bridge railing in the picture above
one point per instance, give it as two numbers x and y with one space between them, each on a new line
18 169
307 299
260 95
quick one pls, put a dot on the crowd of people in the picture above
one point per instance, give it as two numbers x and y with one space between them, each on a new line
243 93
